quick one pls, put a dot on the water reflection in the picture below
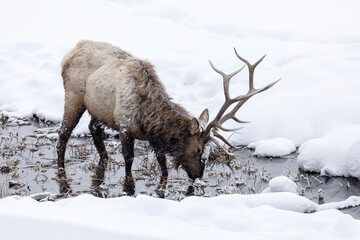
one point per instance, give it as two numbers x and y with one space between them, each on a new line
129 186
98 187
63 181
97 182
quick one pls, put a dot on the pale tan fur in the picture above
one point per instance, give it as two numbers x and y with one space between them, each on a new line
100 77
126 94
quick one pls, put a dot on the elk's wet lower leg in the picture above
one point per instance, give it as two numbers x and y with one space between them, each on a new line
73 110
164 173
128 153
64 135
97 133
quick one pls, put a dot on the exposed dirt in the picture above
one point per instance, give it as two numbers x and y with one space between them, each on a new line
28 166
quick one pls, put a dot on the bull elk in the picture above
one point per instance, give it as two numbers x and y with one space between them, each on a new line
125 93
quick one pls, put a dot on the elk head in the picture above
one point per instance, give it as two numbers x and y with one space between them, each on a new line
189 147
210 132
200 133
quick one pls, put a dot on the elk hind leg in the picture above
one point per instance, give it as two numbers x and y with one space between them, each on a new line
73 111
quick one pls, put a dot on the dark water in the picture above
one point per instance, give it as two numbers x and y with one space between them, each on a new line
28 166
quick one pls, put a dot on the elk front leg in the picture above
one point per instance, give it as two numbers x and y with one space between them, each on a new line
127 143
164 173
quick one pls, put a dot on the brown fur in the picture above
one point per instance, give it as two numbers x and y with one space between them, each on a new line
126 94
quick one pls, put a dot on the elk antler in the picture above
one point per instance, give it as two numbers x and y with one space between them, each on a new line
220 118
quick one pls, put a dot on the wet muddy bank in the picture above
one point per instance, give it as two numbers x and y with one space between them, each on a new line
28 166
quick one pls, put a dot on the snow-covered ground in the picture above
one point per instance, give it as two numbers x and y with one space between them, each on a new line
335 154
263 216
313 46
275 147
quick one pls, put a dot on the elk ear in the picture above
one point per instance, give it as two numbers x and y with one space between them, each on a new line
203 119
194 126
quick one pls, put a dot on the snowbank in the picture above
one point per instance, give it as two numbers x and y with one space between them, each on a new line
335 154
316 57
263 216
275 147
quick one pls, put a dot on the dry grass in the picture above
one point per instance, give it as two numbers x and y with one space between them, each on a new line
4 187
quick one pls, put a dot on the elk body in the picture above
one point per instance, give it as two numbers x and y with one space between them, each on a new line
125 93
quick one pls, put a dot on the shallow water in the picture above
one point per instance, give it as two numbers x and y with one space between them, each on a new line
28 166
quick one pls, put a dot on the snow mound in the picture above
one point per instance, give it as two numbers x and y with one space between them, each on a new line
274 147
335 154
281 184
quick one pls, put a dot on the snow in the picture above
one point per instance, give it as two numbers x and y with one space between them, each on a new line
313 46
275 147
281 184
316 57
335 154
262 216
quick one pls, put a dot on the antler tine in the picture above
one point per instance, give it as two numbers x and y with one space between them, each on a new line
216 134
251 69
247 62
228 100
216 123
217 70
228 130
226 78
236 72
224 74
255 91
238 120
241 100
221 147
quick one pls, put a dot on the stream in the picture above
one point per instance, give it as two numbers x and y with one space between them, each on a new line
28 166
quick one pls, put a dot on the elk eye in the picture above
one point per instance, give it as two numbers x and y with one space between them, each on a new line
198 150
